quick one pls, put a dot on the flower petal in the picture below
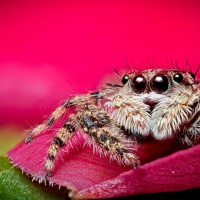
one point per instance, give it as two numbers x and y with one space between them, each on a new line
179 171
77 169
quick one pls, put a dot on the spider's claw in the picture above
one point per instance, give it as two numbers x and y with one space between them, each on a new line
136 165
28 139
48 174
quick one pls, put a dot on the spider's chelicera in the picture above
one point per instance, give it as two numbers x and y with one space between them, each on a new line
153 103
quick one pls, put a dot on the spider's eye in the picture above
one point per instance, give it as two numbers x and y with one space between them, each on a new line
139 84
178 77
159 83
125 79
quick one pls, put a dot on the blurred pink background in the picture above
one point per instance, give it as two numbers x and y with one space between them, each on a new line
50 50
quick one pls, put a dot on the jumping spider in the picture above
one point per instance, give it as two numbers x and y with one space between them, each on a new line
152 103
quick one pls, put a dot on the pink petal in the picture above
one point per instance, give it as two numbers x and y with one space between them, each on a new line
80 169
77 170
179 171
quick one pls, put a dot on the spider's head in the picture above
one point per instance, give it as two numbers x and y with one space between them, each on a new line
154 85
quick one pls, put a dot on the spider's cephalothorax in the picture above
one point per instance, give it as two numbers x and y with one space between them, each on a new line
158 103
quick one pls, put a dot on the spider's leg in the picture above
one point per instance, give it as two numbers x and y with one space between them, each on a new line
117 147
105 133
53 117
101 129
62 137
59 112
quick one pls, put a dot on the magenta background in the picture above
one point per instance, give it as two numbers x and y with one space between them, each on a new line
52 49
49 50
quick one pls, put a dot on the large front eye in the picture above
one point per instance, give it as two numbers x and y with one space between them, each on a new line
178 77
125 79
159 83
139 84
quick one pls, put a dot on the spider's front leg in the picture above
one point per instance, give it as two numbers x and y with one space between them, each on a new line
62 137
58 113
107 134
45 125
102 130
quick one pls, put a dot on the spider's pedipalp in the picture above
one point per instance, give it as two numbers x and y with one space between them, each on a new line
131 113
170 114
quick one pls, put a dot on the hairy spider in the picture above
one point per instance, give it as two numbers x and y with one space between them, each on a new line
152 103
